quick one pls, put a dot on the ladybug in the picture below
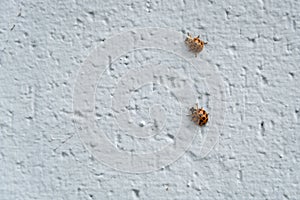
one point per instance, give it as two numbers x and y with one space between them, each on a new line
195 44
199 115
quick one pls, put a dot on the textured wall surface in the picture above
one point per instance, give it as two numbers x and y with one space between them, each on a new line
253 45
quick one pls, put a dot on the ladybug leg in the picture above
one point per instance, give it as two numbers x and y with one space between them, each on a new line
198 122
193 116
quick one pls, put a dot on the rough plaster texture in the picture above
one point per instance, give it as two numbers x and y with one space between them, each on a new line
253 44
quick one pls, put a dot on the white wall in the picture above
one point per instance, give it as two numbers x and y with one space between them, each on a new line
254 47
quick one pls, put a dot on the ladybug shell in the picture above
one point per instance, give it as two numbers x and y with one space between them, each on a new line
195 44
203 117
200 116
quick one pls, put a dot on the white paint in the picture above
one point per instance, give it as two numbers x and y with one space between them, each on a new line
255 48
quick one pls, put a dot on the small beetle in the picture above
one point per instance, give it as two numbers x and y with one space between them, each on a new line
199 115
195 44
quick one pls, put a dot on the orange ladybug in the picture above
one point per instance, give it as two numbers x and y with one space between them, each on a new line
199 115
195 44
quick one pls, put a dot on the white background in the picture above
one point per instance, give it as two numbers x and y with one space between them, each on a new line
255 47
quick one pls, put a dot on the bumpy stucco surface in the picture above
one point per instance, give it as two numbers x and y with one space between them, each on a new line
253 45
